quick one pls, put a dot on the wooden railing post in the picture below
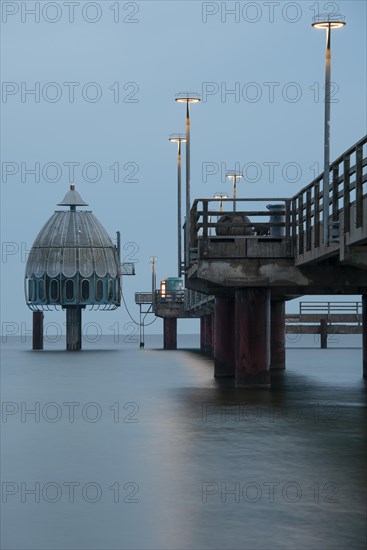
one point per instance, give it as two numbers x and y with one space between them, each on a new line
346 194
308 219
359 189
335 201
294 223
300 224
316 214
287 219
323 333
205 223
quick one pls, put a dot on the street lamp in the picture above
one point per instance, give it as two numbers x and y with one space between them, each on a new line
234 176
187 97
153 261
221 196
178 138
327 22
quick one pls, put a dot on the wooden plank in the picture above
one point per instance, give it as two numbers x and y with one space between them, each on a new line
315 329
333 318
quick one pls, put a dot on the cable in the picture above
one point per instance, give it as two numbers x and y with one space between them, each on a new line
133 320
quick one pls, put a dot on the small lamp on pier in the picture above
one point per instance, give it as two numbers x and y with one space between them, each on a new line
234 176
221 196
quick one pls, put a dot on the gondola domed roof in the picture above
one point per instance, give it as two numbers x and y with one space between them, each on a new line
73 242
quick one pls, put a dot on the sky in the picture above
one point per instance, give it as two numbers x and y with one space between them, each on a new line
104 76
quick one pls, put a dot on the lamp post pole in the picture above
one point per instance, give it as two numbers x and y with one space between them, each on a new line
178 138
325 185
187 97
153 260
328 23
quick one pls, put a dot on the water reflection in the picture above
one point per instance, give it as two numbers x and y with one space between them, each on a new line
214 466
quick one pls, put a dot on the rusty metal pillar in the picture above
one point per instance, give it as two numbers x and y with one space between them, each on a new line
277 334
323 333
202 333
224 357
252 338
170 333
73 328
37 333
209 334
364 335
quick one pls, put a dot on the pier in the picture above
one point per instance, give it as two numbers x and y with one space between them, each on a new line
245 264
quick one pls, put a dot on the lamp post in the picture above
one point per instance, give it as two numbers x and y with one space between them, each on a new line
327 22
187 97
221 196
178 138
153 261
234 176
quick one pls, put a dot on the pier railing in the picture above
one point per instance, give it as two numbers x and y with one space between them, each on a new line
330 308
173 299
250 231
291 227
345 209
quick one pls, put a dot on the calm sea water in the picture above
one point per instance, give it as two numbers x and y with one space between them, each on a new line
120 448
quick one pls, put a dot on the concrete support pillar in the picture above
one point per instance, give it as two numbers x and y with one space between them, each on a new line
252 338
37 333
224 357
170 333
323 333
73 328
277 334
364 334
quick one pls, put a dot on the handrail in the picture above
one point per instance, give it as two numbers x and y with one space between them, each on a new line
304 213
354 307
